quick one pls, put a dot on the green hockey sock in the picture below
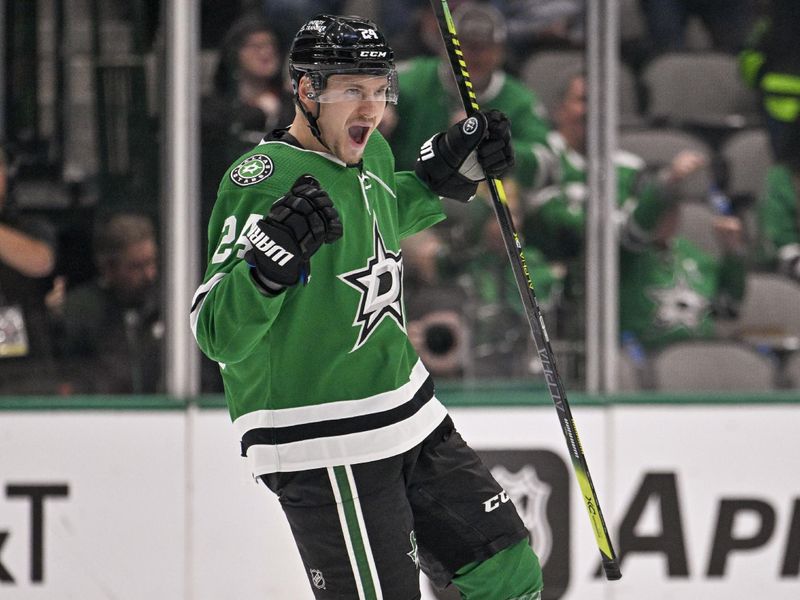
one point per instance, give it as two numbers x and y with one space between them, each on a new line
511 574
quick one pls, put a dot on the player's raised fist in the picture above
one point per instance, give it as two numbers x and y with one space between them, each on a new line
284 241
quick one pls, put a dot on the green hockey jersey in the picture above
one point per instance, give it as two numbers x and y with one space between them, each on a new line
673 294
322 374
555 218
779 222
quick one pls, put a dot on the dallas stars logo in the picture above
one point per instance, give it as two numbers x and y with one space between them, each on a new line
380 283
679 305
252 170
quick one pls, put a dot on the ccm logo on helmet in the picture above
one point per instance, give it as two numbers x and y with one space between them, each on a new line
372 54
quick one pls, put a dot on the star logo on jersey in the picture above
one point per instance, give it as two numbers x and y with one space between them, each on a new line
679 305
380 284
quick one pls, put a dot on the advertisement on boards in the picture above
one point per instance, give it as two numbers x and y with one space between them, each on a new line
701 502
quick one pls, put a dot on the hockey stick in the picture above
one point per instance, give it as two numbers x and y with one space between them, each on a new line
531 305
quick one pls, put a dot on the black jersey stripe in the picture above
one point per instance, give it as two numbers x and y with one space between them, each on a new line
334 427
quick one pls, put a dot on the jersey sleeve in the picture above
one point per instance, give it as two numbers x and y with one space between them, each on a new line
529 131
229 315
555 225
417 207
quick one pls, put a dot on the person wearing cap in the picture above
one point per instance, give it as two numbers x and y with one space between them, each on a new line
429 100
302 307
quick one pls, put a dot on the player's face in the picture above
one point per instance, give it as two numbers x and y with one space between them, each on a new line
351 108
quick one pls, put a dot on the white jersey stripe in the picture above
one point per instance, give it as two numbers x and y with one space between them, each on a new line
383 183
202 290
342 409
352 448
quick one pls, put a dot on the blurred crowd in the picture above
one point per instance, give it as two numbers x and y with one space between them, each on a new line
708 174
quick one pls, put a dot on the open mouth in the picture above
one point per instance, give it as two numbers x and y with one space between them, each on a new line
358 133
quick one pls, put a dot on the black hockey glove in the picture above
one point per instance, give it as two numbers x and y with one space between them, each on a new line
452 163
295 228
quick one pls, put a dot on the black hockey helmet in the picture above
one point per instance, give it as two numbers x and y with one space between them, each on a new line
328 45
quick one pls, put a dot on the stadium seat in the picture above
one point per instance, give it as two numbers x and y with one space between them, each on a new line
658 146
712 366
771 308
698 89
632 378
545 73
747 157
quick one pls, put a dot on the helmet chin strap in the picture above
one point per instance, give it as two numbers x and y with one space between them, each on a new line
312 120
313 125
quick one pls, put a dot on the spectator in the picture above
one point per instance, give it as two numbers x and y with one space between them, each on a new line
249 99
556 214
538 24
771 64
27 258
727 22
779 218
112 327
671 290
429 100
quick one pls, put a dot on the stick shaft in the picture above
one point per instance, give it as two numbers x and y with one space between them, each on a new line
533 313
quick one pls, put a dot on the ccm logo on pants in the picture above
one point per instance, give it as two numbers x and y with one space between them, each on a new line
495 501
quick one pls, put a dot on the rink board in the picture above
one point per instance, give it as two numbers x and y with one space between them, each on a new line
702 500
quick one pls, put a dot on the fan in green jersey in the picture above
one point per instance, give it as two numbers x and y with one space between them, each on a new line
669 289
302 307
429 100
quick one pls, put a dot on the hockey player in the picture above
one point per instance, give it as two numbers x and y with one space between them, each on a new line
302 307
